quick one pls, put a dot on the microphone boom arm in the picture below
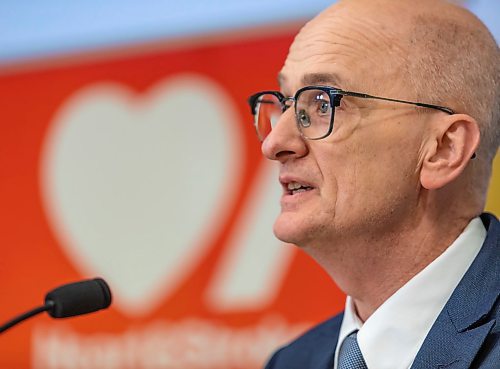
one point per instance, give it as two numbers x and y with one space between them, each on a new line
48 306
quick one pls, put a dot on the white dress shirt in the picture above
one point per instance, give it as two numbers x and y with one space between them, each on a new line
391 337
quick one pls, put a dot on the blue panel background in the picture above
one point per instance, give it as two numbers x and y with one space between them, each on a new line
42 28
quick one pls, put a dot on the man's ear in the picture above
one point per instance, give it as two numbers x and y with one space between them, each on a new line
453 143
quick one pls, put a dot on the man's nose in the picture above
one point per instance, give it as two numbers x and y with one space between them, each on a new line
284 141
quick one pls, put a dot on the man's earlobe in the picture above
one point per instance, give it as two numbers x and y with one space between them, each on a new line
454 144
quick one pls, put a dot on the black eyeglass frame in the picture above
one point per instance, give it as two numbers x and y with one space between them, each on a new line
336 96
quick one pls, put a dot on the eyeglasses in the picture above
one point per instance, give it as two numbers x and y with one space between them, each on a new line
314 109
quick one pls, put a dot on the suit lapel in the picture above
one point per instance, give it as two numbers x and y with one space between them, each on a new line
326 354
325 359
462 326
446 348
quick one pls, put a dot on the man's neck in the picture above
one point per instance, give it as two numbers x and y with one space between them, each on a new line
370 269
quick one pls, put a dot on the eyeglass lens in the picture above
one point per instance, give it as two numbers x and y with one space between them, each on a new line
313 113
268 110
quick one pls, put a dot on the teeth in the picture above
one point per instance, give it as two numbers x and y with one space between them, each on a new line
294 186
301 190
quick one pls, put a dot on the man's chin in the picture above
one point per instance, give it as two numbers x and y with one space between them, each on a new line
289 230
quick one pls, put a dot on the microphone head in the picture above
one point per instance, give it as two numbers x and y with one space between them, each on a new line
78 298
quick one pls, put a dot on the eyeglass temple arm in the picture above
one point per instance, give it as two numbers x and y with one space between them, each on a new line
423 105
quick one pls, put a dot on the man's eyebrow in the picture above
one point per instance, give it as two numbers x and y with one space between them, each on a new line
330 79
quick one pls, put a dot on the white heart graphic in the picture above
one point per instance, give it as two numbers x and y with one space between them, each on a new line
136 187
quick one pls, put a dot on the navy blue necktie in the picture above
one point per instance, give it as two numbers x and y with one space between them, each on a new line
350 356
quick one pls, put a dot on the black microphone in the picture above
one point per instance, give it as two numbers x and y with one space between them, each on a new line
70 300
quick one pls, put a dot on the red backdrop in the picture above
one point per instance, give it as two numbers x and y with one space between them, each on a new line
143 167
183 324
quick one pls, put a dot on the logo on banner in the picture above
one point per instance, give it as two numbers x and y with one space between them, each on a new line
137 187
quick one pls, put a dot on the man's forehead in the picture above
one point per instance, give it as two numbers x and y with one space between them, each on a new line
367 41
337 42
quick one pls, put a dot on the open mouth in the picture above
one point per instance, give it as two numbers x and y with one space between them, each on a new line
294 188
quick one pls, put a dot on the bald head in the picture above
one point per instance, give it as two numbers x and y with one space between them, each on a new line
454 59
431 51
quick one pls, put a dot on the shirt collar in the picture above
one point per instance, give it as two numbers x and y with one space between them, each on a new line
393 334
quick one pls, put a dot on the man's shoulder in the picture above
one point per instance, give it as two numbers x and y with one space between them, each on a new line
328 329
314 348
468 325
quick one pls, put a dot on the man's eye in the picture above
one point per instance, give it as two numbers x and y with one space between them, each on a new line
324 108
322 104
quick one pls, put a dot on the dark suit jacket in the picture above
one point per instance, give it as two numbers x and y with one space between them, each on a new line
466 333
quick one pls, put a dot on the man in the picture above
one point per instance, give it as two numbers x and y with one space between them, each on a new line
385 190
